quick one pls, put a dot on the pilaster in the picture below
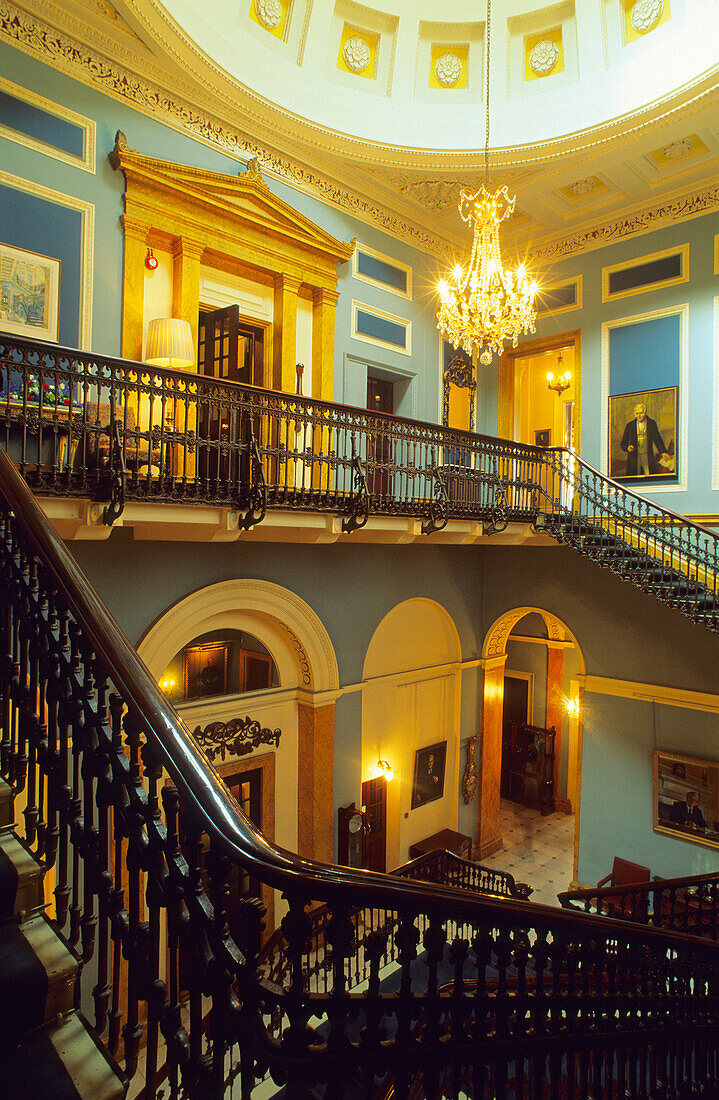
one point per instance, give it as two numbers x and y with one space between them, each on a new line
315 781
187 254
284 333
489 836
323 343
133 286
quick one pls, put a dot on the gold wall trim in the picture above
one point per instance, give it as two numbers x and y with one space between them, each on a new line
651 693
87 244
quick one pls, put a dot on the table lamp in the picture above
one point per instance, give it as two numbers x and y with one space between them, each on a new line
169 343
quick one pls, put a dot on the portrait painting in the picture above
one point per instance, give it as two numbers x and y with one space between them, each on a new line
29 293
686 798
429 764
643 434
204 670
543 437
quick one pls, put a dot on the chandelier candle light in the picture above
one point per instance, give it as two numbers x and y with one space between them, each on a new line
559 382
486 305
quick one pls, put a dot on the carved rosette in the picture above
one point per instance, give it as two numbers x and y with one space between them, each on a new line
583 187
543 56
676 149
646 14
448 69
269 13
356 54
469 779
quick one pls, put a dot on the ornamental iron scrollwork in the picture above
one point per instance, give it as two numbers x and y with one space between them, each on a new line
238 737
459 373
469 779
439 508
256 499
358 508
499 513
118 473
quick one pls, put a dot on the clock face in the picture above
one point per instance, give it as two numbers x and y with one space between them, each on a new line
355 823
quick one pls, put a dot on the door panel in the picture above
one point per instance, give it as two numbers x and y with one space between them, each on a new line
374 799
380 398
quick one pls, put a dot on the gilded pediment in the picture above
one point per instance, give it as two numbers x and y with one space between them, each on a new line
200 196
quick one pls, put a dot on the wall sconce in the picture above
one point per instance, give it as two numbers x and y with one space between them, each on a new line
169 343
562 381
572 706
385 770
167 684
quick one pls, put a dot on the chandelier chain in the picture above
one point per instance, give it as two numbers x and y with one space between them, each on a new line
487 34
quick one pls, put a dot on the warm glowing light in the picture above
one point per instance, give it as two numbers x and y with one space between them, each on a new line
572 707
488 304
385 770
167 684
560 382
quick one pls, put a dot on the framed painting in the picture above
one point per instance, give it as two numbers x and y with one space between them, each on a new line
543 437
686 798
643 434
29 293
429 764
204 670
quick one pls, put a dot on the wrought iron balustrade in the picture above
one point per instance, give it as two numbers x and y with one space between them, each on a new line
515 998
82 424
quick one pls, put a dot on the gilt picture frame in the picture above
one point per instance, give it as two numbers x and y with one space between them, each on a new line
204 670
29 293
677 782
661 459
429 768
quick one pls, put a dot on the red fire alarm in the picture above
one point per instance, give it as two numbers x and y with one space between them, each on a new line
150 261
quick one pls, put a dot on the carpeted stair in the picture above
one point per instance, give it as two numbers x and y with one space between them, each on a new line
47 1049
642 568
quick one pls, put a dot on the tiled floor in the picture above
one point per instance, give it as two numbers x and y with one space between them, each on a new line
537 850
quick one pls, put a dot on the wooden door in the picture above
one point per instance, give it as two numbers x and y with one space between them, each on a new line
374 800
515 713
247 789
380 398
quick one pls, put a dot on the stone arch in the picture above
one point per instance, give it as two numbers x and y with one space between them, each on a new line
288 626
305 660
494 656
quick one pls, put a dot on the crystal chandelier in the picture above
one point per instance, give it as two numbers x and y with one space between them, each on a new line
486 304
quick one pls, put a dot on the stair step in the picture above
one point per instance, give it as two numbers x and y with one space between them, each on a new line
61 1061
20 878
37 976
6 806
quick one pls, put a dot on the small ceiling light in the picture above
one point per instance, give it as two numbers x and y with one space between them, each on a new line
560 382
385 770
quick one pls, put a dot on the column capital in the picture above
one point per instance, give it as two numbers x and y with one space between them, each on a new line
186 246
488 663
284 281
322 295
134 229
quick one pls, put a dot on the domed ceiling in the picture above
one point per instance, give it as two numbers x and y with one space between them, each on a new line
597 106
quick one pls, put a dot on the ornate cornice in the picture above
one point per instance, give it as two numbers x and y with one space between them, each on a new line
642 220
75 59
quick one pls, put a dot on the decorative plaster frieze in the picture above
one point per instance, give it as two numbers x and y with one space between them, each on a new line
583 187
640 221
436 195
44 42
676 149
646 14
543 56
448 69
269 13
356 54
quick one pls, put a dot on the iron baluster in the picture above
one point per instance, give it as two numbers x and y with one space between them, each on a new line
358 505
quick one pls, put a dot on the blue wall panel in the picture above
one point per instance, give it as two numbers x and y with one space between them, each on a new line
645 356
42 125
38 225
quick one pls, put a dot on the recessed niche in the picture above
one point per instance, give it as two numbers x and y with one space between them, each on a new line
450 62
542 48
361 48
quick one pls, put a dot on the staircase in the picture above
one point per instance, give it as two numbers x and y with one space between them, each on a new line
47 1048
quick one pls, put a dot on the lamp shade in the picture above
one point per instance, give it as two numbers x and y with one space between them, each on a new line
169 343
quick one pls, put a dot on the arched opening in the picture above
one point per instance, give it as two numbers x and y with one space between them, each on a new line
410 712
219 662
533 675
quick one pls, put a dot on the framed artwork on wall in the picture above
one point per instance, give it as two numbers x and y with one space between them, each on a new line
543 437
204 670
429 765
686 798
643 440
29 293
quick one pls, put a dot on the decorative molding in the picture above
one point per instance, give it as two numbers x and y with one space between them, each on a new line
356 54
543 56
680 208
45 43
448 69
460 373
715 418
436 195
238 737
469 779
86 162
646 14
401 322
269 13
639 261
392 261
87 244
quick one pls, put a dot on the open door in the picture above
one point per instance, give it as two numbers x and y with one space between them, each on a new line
374 802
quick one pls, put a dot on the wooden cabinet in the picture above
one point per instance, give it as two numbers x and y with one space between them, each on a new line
528 765
458 843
